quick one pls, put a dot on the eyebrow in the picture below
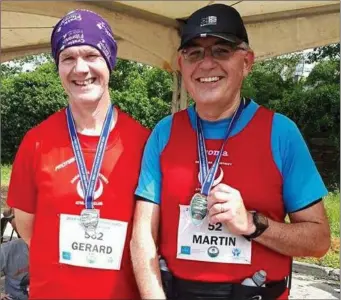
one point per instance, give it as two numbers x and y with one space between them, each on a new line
67 52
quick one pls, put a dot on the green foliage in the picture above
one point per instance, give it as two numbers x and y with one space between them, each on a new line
331 52
5 174
17 66
332 203
332 258
146 92
270 78
27 99
312 103
325 72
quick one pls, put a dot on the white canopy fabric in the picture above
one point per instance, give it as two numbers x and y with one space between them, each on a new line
147 31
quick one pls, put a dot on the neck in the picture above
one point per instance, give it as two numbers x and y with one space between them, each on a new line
214 112
89 119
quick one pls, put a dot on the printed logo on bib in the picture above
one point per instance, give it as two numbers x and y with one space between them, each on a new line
210 242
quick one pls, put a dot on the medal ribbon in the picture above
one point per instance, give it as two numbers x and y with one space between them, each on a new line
207 174
88 186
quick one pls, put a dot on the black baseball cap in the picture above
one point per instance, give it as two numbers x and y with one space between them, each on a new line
217 20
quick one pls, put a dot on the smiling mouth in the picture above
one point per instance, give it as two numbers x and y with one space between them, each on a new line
209 79
84 82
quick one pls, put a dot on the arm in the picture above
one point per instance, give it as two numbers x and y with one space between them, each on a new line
22 192
24 224
302 186
143 247
146 223
299 238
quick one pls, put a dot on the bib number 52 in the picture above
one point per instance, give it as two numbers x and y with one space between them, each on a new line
215 227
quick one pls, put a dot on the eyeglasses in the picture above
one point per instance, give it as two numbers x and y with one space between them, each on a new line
194 54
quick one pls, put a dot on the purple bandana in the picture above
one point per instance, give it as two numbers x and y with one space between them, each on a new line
84 27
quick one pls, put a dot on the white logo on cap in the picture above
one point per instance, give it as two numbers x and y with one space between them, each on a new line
210 20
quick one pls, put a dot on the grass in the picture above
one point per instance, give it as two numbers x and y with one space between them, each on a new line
332 258
331 202
5 174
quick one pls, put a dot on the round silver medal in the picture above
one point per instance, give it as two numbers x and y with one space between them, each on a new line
89 219
198 209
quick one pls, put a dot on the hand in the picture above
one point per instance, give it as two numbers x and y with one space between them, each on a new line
226 205
5 297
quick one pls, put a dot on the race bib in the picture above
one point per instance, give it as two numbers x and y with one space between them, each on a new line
100 250
211 243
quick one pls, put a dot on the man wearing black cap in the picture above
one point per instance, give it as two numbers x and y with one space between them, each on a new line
218 179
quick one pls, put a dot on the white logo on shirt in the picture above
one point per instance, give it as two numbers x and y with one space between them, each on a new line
218 180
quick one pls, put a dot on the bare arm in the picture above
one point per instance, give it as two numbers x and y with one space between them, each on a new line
308 234
24 223
144 250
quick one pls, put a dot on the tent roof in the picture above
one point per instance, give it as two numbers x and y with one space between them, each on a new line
147 31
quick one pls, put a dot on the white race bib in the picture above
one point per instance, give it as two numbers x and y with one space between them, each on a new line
102 250
212 243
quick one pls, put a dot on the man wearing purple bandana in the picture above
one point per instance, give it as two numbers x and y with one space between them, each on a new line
73 179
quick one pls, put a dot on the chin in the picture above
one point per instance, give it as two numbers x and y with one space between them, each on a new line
207 100
87 98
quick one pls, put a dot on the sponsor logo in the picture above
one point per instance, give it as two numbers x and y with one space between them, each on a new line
110 260
216 153
236 252
91 258
65 163
213 251
66 255
98 189
186 250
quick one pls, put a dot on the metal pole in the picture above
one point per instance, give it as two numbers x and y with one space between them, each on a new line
175 97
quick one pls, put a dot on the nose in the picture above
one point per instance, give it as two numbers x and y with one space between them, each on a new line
81 66
208 62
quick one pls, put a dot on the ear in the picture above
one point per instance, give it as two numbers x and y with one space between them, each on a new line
248 62
180 62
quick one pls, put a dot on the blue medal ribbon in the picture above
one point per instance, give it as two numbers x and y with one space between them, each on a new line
207 174
88 186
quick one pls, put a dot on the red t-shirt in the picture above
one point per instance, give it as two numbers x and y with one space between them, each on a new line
45 182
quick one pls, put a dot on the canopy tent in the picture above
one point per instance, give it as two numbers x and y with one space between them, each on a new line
147 31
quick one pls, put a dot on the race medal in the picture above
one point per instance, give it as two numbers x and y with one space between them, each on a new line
198 205
89 216
89 219
198 209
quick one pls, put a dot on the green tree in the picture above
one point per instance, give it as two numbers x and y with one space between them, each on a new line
330 51
27 99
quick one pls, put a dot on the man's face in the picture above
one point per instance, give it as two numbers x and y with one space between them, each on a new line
214 80
84 73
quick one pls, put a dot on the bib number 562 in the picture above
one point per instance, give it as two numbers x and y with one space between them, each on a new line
96 236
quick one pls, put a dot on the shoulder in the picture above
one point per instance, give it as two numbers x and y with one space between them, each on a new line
283 124
164 124
285 131
133 125
48 126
